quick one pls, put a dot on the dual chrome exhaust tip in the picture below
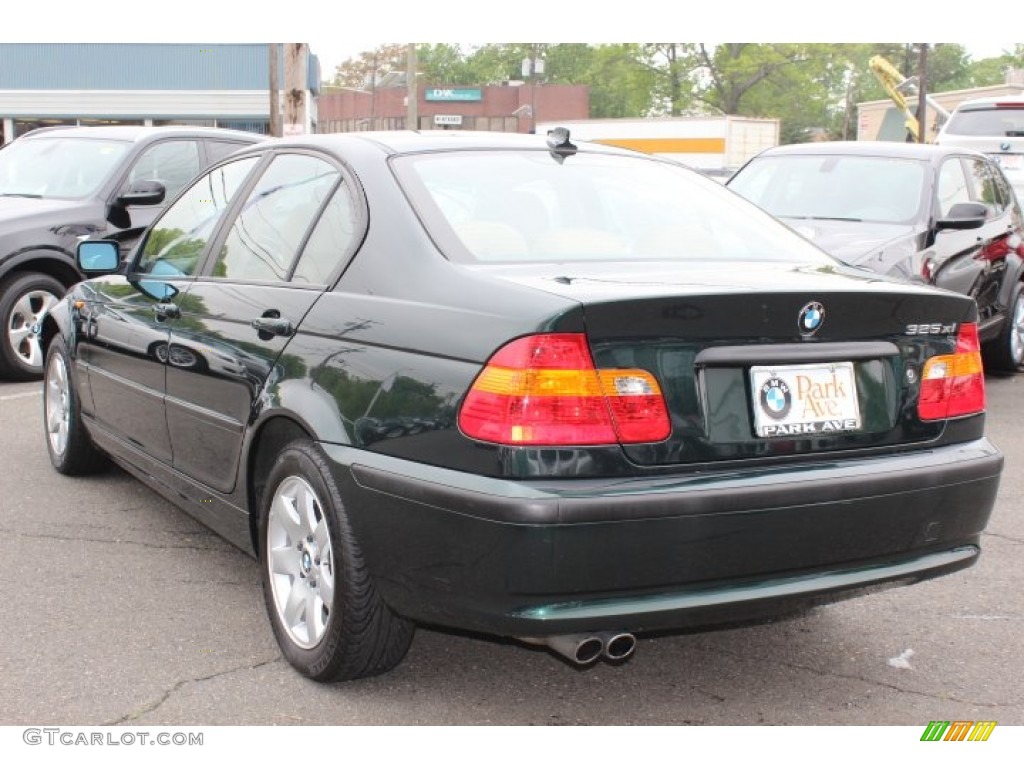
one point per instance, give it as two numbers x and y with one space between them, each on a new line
587 648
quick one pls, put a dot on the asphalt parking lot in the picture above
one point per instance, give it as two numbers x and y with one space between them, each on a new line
119 609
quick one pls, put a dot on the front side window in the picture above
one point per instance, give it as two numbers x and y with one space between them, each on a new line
527 206
177 239
173 163
984 187
52 167
952 188
265 237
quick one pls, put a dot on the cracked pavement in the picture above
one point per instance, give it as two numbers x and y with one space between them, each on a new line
119 609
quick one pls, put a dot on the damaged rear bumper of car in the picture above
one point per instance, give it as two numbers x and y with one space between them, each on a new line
547 557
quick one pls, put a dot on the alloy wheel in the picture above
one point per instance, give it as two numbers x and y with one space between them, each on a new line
23 326
58 405
1017 331
300 562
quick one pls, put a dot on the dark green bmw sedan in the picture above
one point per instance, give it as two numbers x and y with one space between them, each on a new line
562 393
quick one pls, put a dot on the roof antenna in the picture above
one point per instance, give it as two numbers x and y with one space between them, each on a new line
561 147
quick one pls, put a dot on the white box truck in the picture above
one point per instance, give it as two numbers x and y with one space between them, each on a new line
710 143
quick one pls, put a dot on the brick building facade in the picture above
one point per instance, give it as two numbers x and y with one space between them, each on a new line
509 108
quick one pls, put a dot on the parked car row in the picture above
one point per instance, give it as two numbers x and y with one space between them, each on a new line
545 390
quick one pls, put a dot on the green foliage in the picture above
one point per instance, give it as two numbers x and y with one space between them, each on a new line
811 87
361 71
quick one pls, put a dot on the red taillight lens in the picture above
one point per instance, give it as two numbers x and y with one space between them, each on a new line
954 385
545 390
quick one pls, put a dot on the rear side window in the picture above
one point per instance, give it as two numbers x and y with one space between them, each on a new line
270 228
332 241
218 150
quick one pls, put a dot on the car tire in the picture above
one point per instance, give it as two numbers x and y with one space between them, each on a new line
1006 351
71 450
23 298
326 613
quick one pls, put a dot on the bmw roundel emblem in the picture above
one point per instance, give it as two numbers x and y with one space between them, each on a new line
775 398
811 318
1005 146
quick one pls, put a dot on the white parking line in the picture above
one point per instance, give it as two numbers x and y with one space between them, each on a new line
37 393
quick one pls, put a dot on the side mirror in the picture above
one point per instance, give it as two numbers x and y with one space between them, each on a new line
964 216
143 193
98 257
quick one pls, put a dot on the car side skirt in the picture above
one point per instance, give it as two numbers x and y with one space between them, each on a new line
214 510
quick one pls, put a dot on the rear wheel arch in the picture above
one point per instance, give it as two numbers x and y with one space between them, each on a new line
1006 351
268 442
1013 278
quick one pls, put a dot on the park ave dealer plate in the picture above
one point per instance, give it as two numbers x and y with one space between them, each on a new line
804 399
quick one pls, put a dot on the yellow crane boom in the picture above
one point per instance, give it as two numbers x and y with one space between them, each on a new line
898 86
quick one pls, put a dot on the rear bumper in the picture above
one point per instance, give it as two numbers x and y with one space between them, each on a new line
547 557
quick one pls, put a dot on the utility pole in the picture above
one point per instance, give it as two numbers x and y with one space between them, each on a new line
412 93
532 67
849 104
922 94
373 94
275 115
295 61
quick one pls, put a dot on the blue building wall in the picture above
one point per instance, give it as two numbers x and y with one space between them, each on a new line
141 66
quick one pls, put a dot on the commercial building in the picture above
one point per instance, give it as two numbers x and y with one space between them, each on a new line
141 84
512 107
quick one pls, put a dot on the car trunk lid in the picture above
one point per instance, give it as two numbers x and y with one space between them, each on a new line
765 363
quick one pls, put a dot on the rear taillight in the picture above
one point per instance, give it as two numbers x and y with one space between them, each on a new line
545 390
954 385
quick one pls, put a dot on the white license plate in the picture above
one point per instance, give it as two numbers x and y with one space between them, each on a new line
1011 162
804 399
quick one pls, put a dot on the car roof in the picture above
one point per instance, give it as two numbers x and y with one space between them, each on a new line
397 142
984 102
903 150
139 133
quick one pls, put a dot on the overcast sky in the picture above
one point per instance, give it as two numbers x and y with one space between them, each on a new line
337 30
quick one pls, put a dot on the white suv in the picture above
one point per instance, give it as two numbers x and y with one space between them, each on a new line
995 126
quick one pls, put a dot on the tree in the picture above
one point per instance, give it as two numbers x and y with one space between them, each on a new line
671 64
365 70
621 82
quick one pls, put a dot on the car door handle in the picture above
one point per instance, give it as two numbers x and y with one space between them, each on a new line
165 310
273 326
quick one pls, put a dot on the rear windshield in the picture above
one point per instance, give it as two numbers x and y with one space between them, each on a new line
836 187
997 121
529 206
